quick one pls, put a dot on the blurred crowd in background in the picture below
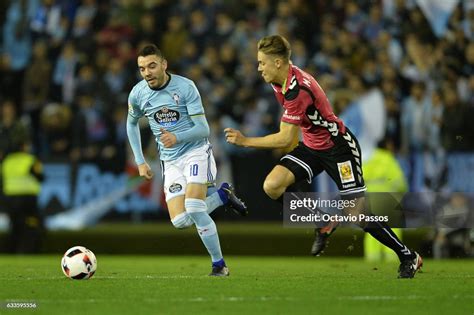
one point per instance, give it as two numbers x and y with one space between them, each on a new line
67 67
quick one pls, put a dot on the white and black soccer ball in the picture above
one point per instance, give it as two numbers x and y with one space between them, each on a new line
79 263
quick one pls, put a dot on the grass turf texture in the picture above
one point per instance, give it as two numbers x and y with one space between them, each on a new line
257 285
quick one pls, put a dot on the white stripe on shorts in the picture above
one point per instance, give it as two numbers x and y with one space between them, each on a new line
352 190
302 164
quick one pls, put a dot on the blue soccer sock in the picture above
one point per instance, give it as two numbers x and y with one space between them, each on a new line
205 226
223 194
182 221
219 263
214 201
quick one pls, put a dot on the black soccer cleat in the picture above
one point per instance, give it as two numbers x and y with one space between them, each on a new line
234 203
321 236
219 271
409 267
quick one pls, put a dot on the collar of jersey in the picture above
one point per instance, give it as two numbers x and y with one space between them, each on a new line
290 73
165 85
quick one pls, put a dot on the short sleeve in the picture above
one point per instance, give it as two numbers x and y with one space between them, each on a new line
193 101
133 105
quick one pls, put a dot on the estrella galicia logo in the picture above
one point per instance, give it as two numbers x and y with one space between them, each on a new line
174 188
166 117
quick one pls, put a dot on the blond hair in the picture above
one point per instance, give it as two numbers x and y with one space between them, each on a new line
275 45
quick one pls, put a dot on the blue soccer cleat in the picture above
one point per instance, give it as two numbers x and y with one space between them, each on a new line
219 269
233 202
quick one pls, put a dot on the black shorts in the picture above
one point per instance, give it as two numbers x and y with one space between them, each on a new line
343 162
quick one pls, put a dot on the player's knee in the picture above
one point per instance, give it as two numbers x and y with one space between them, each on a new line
272 188
196 209
182 221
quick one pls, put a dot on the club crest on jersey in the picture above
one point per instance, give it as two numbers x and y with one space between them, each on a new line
345 172
176 98
166 117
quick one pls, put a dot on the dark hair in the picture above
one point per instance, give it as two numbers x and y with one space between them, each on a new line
275 45
150 49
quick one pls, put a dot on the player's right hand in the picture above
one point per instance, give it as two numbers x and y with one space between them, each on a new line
145 171
234 136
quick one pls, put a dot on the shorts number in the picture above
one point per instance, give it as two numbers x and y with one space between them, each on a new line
193 170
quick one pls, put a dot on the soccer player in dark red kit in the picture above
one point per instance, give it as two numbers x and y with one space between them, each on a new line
327 145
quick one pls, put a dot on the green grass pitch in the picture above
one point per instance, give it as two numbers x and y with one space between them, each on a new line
257 285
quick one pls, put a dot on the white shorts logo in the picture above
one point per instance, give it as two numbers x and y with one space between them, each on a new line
345 172
174 188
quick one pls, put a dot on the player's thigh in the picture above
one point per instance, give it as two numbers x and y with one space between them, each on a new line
279 177
302 163
196 191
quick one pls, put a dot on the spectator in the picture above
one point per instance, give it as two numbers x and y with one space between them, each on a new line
456 132
16 49
64 74
22 173
174 39
57 132
83 26
12 128
148 30
92 131
37 79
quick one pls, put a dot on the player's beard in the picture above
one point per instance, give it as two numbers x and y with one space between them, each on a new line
152 83
156 81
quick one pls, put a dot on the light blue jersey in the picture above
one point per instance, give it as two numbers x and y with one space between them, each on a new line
170 107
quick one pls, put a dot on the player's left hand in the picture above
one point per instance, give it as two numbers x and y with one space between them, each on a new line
167 138
234 136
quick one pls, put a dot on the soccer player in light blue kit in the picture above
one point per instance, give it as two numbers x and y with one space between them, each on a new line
176 117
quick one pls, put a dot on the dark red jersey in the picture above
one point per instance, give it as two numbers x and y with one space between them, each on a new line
307 106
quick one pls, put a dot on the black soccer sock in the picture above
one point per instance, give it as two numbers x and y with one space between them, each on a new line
384 234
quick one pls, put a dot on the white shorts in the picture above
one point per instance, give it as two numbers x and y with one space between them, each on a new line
195 167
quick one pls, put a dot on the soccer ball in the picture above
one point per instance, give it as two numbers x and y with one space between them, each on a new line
79 263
